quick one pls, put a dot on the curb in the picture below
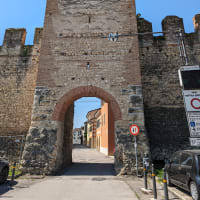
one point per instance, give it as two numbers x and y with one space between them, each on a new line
179 194
146 191
176 192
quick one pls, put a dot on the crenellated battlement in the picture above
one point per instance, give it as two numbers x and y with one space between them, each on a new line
38 35
170 26
14 38
196 22
18 73
14 42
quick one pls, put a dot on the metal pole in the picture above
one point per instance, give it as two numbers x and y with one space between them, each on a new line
182 48
13 172
145 177
21 147
136 157
165 185
154 182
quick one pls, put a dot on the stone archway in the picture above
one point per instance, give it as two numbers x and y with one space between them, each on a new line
63 112
48 140
43 152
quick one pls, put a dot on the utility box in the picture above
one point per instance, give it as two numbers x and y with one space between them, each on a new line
189 77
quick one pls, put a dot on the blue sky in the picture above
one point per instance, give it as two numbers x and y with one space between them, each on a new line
29 14
156 10
81 108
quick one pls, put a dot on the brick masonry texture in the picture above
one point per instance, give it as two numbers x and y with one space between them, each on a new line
46 78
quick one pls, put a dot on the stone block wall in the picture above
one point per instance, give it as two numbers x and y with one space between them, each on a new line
165 117
11 147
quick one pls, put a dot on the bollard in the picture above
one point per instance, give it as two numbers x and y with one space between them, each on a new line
13 172
165 185
154 182
145 178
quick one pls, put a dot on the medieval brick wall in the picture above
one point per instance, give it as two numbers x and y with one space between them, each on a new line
165 117
18 70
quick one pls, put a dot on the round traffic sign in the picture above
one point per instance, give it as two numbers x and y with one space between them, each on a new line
134 129
195 103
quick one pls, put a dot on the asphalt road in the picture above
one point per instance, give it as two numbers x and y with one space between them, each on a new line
91 177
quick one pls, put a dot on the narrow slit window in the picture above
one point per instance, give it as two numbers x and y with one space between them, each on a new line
88 65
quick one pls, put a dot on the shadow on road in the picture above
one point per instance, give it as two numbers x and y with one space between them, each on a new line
90 169
6 187
80 146
89 162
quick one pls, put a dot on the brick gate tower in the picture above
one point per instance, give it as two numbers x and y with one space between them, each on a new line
77 60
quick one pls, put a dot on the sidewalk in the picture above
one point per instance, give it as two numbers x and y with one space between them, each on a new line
136 184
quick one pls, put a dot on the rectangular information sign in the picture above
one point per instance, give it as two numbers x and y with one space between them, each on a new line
194 123
195 142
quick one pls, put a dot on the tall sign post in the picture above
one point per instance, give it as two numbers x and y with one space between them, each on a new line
135 130
190 81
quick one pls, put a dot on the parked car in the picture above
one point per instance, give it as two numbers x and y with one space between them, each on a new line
183 170
4 170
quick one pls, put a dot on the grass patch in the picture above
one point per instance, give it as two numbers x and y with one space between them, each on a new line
17 170
159 174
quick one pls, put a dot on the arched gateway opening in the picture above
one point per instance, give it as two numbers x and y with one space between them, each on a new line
64 112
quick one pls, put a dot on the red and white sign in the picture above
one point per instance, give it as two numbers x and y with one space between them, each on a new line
134 130
195 103
192 100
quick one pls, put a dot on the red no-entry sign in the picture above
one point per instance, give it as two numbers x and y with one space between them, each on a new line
134 129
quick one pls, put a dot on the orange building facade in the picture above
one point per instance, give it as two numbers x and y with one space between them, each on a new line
91 128
101 130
